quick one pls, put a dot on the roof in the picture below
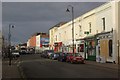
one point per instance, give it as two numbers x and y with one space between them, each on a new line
58 25
39 33
104 33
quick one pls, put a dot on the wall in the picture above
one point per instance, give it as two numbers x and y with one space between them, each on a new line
33 41
0 40
38 41
52 37
115 19
64 33
101 12
28 43
119 27
87 19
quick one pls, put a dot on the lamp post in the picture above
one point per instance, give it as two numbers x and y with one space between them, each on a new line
118 52
9 39
72 8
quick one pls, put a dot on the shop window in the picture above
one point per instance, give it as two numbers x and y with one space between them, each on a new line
81 48
110 48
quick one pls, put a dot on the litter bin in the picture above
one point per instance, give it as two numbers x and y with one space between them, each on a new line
102 60
98 59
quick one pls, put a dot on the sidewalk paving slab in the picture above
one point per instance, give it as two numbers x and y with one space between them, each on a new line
106 65
10 72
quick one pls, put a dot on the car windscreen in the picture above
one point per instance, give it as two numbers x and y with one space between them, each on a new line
50 51
76 54
15 51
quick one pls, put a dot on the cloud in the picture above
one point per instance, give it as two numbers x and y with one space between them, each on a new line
31 17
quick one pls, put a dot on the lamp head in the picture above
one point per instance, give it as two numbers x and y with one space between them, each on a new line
67 10
12 26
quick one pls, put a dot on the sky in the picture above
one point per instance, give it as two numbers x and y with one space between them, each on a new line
31 17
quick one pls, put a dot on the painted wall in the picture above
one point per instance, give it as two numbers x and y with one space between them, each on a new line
104 12
89 18
116 29
118 35
38 41
28 43
33 41
0 40
64 33
52 37
119 26
109 11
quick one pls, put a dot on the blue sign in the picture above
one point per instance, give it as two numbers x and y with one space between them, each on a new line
44 41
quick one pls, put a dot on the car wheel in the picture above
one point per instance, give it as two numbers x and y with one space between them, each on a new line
71 62
66 60
61 60
58 59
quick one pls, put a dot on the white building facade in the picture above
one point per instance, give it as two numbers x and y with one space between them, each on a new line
95 33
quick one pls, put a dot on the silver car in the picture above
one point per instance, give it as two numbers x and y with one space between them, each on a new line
15 54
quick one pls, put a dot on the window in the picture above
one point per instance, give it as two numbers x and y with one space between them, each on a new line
81 48
103 19
56 37
80 30
110 48
59 36
90 27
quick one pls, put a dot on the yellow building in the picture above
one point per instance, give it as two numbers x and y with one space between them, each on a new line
52 36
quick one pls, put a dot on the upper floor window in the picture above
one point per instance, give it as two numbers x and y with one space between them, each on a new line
56 37
59 36
103 20
90 27
80 29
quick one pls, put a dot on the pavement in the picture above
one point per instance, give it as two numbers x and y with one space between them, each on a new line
106 65
10 72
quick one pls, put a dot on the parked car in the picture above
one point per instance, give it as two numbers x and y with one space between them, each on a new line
15 54
23 50
62 57
42 54
75 58
54 56
47 53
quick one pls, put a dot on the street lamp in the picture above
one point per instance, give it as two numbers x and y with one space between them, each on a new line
72 23
118 44
9 39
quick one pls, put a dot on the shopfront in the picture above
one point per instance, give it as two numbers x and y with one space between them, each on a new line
104 47
90 49
80 47
58 47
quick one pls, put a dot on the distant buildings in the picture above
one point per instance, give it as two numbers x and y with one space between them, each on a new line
39 42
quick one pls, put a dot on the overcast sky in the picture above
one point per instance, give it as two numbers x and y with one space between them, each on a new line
32 17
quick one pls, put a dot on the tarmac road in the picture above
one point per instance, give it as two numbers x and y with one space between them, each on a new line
33 66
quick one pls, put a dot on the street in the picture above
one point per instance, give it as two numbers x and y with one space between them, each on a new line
33 66
84 32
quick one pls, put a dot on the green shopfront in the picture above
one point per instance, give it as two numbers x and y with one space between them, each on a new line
90 49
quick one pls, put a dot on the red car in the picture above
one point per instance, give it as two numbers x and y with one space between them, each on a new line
75 58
